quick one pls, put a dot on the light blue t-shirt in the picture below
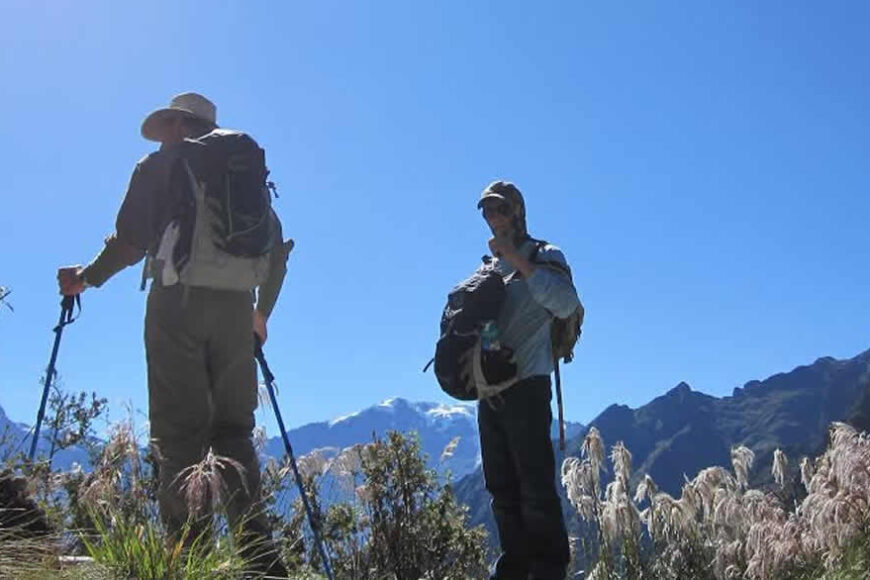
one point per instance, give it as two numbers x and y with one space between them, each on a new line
525 319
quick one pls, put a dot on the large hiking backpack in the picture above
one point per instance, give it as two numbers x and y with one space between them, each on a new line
465 369
224 226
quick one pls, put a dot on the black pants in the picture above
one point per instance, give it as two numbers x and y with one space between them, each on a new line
519 469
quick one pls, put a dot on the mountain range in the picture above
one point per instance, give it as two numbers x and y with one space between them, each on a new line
436 424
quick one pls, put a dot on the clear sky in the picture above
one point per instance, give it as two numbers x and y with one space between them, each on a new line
704 167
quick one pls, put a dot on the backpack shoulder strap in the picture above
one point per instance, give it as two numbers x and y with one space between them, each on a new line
539 245
552 264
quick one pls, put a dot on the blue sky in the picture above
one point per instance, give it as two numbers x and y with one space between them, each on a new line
703 166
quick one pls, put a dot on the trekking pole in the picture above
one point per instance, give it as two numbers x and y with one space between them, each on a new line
66 317
559 404
269 378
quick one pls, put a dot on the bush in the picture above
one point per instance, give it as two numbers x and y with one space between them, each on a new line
398 522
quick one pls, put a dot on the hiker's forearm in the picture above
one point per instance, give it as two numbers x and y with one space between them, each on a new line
114 257
267 293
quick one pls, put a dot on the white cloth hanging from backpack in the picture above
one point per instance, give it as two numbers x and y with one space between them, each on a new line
168 273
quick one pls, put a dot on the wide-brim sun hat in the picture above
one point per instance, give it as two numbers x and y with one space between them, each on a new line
191 105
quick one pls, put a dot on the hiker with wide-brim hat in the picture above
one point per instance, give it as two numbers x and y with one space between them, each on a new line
202 383
516 449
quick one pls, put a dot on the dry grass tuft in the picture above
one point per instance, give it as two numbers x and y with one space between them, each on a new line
203 486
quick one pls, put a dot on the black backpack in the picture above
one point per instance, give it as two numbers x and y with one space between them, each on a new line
463 368
224 219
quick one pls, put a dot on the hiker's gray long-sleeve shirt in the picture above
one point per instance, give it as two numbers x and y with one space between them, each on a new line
524 323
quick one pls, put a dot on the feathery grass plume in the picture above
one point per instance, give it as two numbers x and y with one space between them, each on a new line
645 489
836 506
742 458
450 448
589 474
313 464
347 468
363 493
660 517
754 502
620 456
780 465
807 471
728 553
276 471
263 398
203 486
117 477
579 484
764 521
790 548
593 448
348 462
620 518
727 510
581 480
690 500
259 439
683 518
707 483
569 478
841 434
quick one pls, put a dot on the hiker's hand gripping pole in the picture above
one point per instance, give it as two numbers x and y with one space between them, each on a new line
269 379
66 317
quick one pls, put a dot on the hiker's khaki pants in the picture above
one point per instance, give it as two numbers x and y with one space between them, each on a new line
202 391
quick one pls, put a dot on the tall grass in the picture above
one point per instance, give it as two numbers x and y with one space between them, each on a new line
719 528
140 550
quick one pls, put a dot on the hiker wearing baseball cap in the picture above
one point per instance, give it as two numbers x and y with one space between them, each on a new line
516 449
199 208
